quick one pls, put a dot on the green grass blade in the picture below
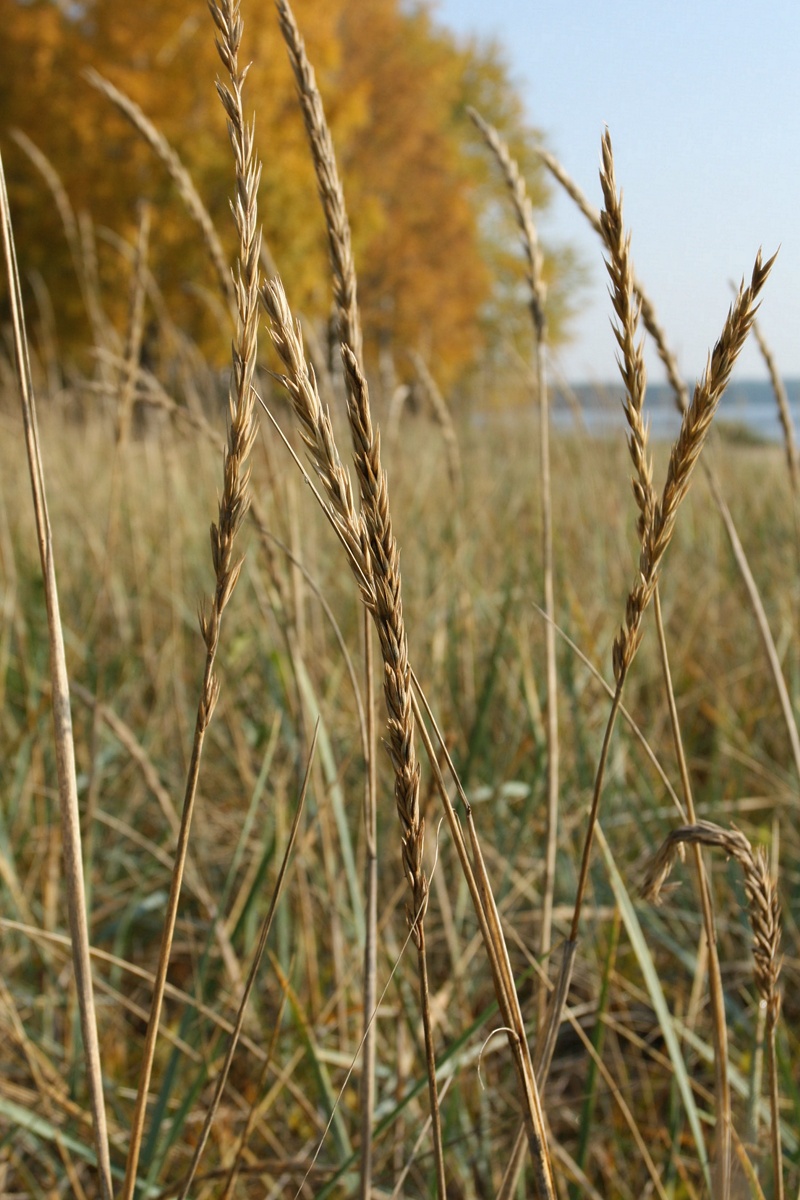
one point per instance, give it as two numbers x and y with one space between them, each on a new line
336 797
653 983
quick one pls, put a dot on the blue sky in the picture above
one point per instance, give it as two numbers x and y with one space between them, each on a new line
703 103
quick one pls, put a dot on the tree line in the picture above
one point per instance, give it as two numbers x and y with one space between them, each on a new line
434 243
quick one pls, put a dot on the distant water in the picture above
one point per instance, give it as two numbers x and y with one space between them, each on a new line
749 405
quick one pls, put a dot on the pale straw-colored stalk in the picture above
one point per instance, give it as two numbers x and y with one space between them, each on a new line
62 715
78 236
716 994
523 211
233 504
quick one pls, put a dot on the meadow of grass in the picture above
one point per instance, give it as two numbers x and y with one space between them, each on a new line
385 950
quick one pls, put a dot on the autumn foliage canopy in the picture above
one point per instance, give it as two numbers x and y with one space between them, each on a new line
435 250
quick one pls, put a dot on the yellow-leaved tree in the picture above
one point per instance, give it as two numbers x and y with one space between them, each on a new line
435 253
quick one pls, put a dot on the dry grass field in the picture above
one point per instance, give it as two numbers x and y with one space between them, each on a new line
349 887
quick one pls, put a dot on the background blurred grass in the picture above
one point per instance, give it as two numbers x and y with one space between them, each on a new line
471 579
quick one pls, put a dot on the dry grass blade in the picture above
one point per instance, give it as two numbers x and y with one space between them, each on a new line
133 345
495 944
537 289
178 173
233 506
62 716
765 920
251 978
49 1089
77 234
58 192
64 943
127 739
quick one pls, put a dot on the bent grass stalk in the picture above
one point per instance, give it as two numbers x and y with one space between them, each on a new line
383 560
62 715
372 546
784 410
232 507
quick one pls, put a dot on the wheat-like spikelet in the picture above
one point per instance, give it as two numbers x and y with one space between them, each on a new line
316 431
648 312
328 182
631 358
242 427
524 214
233 505
386 603
762 894
683 458
388 613
697 418
372 550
